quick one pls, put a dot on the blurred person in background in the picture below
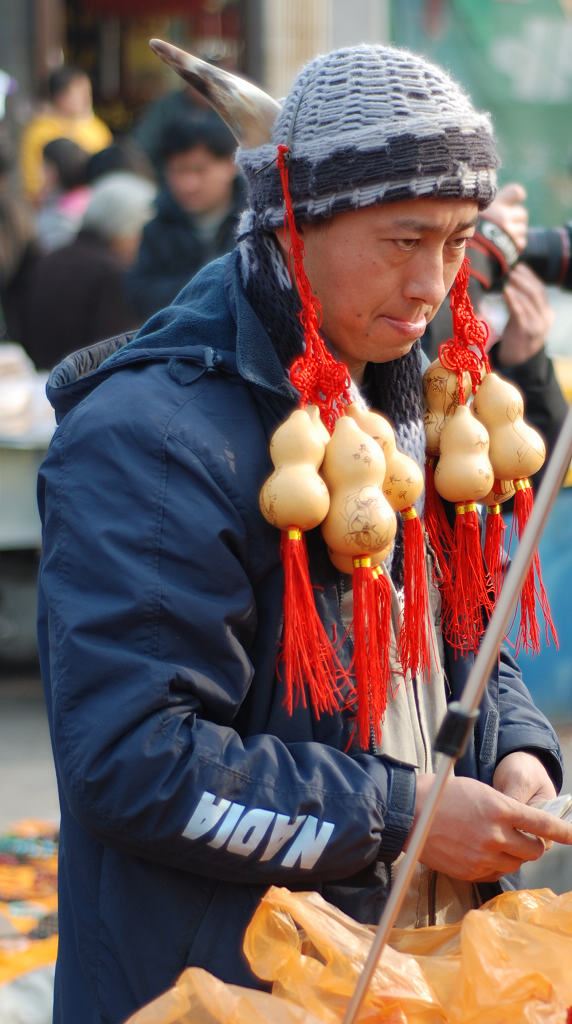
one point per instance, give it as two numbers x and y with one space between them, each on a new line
198 209
77 294
123 154
175 105
64 195
68 114
19 247
519 351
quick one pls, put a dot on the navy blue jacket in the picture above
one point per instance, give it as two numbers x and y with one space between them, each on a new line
186 788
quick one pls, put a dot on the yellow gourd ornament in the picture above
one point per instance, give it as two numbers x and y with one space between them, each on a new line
441 397
464 472
517 451
374 424
464 476
294 498
295 495
361 524
403 486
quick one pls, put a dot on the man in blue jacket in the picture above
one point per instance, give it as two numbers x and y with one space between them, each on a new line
186 785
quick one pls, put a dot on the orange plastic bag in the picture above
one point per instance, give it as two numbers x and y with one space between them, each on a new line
200 998
313 953
509 962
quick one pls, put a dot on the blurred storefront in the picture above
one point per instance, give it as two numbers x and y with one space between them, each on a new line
266 40
110 39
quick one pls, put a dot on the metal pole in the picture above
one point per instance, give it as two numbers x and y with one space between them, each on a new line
471 697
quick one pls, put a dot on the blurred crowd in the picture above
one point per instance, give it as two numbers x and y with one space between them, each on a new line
99 232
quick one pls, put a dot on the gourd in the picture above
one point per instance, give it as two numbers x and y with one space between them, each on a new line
464 472
295 494
516 450
376 425
441 398
360 521
501 491
403 480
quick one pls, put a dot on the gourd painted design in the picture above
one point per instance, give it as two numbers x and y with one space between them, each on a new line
441 399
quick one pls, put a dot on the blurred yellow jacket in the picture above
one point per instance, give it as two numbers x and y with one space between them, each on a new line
90 132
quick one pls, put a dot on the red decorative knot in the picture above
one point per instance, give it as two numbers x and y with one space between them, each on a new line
465 351
320 379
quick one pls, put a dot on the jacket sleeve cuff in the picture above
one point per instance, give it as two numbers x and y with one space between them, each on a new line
535 366
398 817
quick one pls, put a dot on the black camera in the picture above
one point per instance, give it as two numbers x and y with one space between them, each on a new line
548 253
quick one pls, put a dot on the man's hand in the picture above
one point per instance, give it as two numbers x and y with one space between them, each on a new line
530 316
507 210
523 777
479 833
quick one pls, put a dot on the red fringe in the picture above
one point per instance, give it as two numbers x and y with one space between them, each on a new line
437 525
469 594
415 629
372 633
308 656
528 636
494 548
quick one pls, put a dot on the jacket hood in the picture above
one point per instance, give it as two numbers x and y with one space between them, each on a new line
206 334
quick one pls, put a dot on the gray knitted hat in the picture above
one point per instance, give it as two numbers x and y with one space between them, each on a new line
371 124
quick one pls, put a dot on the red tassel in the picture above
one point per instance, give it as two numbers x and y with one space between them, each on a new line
372 633
528 636
415 629
469 594
437 525
308 655
494 548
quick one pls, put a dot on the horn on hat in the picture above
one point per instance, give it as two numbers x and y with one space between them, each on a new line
248 111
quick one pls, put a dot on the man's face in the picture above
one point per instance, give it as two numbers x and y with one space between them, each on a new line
382 272
200 181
